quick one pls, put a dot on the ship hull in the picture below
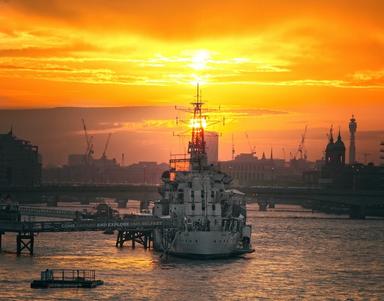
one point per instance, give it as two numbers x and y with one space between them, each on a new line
205 245
236 253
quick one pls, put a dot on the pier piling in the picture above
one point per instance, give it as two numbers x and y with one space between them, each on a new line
141 237
24 241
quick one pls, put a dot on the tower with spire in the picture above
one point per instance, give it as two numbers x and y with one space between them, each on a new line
352 145
340 150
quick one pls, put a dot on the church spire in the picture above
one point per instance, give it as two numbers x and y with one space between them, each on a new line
10 133
331 134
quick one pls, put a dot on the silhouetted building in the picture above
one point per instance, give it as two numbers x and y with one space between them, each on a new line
334 160
247 169
212 147
146 172
105 171
77 159
335 152
352 143
20 162
338 175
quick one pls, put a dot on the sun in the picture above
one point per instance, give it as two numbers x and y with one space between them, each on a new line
200 60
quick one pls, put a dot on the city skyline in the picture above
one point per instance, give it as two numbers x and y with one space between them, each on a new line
274 68
58 133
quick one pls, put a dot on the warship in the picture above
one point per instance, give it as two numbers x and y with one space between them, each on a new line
208 220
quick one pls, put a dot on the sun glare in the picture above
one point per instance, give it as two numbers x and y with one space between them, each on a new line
200 59
198 123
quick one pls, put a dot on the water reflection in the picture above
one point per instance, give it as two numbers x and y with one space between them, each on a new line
295 258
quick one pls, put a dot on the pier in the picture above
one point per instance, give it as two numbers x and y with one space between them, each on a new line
137 229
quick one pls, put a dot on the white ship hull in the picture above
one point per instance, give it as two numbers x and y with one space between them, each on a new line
204 244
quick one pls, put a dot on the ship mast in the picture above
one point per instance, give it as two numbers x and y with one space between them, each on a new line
196 147
198 159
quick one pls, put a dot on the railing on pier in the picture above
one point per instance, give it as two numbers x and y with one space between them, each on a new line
132 223
35 211
135 228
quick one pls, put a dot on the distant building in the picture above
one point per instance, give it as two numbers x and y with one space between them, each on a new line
334 160
105 171
382 153
20 162
212 147
77 159
145 172
352 144
247 169
335 152
335 173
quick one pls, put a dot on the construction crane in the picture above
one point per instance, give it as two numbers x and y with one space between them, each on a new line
89 143
301 148
104 155
233 148
251 148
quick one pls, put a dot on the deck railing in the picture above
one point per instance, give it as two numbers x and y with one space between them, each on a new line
68 275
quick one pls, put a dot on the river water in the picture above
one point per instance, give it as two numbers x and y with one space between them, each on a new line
299 255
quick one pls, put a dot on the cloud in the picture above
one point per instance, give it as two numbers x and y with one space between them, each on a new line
47 52
138 43
204 18
368 78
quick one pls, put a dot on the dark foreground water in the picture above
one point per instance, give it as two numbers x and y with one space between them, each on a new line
299 256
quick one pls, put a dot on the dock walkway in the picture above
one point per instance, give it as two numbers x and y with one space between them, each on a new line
135 228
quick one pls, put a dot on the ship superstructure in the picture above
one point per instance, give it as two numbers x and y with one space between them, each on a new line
208 220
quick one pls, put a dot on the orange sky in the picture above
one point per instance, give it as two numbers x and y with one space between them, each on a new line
302 62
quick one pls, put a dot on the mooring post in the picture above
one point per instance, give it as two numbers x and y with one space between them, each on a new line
18 244
145 240
120 239
32 240
1 234
117 238
133 239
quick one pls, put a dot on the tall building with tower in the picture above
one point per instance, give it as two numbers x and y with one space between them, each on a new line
352 145
212 147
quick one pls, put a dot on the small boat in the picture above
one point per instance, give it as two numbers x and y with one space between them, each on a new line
66 278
